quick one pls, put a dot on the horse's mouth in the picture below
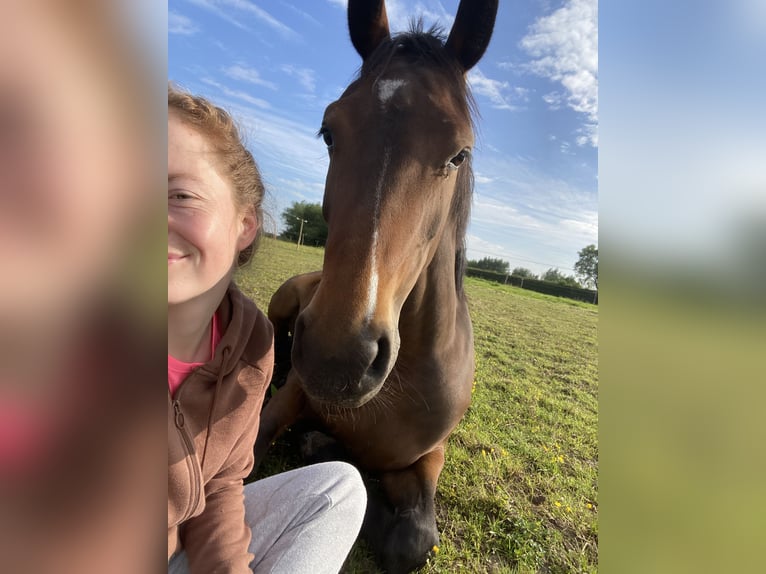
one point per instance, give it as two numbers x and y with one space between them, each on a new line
341 400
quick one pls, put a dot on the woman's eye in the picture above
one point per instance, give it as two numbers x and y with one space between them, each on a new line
178 195
457 161
327 137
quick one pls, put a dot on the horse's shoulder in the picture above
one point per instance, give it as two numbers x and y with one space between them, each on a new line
303 286
294 294
307 281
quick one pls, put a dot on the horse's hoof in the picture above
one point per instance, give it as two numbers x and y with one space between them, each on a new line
409 542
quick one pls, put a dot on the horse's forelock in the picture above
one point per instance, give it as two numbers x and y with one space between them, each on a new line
421 47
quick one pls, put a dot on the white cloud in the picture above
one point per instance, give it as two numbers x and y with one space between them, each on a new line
522 233
181 25
567 231
240 95
554 100
482 179
401 13
305 76
250 75
432 12
588 133
215 7
492 211
221 9
530 214
479 247
564 48
522 93
303 14
512 67
496 91
262 15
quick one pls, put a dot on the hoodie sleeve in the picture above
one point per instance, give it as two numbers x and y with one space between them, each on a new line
216 541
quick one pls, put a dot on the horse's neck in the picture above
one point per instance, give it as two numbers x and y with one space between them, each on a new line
430 314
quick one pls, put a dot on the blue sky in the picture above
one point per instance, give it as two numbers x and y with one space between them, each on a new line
276 65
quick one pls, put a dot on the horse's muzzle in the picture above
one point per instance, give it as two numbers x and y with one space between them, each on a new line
346 371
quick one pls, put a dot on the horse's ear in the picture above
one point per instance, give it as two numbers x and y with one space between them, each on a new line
368 25
471 31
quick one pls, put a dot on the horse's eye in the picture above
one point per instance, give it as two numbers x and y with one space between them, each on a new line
327 137
456 161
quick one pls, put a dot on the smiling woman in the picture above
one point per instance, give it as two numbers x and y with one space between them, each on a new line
206 227
220 360
223 140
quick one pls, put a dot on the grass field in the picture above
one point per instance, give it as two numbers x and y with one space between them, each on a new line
519 491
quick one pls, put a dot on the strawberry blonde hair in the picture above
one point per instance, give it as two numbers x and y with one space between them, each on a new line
235 161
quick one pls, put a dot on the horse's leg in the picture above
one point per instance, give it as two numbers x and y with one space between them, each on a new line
404 535
284 408
283 309
317 446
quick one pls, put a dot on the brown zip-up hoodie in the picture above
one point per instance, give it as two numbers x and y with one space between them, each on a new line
212 426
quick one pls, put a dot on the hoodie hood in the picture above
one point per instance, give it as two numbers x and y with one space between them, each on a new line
238 317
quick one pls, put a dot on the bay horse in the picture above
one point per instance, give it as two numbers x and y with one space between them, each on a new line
381 339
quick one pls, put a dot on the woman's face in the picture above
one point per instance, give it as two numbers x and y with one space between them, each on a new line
206 229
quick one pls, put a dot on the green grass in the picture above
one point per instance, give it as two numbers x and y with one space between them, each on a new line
518 492
273 264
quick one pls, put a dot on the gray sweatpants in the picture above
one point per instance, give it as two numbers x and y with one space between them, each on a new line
304 520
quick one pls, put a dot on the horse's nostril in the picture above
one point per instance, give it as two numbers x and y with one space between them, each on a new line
379 366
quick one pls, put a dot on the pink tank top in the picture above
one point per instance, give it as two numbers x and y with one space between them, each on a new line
179 370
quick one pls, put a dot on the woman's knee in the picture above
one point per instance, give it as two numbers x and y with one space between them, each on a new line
348 488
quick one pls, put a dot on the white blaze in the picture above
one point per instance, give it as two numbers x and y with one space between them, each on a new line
387 89
372 284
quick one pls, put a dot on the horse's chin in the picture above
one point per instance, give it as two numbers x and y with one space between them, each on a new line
343 402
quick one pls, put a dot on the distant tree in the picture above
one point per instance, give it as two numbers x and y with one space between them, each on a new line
523 272
552 275
587 266
571 281
314 225
556 276
496 265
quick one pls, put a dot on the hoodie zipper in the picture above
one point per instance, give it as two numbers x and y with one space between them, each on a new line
193 469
